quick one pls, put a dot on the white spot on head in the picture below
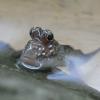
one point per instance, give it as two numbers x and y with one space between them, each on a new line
38 54
40 49
50 46
30 47
51 50
43 53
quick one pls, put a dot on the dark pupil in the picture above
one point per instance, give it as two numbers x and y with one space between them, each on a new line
50 37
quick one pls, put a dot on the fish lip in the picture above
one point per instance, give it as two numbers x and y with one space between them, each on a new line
30 67
23 63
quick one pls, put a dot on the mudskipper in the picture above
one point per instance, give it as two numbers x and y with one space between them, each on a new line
43 51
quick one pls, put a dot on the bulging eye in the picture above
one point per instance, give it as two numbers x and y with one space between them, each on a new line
35 32
50 37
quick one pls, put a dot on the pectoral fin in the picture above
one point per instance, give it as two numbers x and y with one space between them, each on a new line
64 75
77 59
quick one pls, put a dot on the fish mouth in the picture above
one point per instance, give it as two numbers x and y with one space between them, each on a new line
42 47
28 63
30 66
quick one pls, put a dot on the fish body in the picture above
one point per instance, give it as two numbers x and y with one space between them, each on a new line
43 51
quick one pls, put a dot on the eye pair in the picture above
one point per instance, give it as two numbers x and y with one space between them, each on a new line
39 33
50 37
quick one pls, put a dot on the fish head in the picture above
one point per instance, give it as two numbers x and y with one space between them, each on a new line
40 51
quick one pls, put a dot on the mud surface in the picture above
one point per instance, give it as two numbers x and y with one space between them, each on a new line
17 84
